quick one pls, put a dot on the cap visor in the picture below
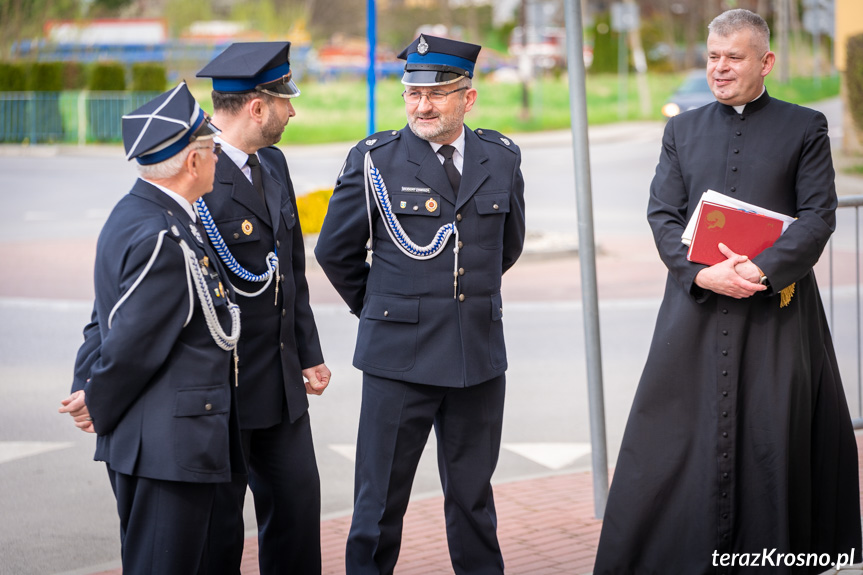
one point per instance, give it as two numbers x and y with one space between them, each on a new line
280 88
205 130
430 78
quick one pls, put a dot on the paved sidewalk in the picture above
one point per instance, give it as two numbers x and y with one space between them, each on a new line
546 527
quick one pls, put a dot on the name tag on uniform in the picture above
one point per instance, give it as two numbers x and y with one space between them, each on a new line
416 190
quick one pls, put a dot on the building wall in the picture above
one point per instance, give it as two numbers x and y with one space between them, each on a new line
849 21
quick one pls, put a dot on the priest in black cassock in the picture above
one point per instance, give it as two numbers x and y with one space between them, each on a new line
739 446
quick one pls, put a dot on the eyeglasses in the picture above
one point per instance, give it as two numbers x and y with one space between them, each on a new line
216 149
433 97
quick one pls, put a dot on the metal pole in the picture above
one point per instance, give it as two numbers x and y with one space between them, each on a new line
524 64
782 18
82 117
622 75
371 20
816 54
587 253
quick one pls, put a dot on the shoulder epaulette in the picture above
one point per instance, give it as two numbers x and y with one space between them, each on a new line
377 140
497 138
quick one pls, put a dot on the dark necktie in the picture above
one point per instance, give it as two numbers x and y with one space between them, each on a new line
257 178
452 172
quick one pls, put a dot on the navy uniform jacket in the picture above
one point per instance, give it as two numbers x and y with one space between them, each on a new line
159 392
278 341
414 326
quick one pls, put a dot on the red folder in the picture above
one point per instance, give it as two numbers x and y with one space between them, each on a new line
745 233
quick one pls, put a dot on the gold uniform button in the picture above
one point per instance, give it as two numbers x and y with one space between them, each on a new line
479 132
284 312
278 244
282 345
236 236
386 313
458 217
461 271
461 297
496 206
460 245
208 407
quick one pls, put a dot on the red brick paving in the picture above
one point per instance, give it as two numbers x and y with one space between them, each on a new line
545 526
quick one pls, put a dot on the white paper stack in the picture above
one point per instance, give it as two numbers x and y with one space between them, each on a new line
722 199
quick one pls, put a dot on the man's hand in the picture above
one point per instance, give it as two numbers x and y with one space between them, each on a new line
74 405
736 277
317 379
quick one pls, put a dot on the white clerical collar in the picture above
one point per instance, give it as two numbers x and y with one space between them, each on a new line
184 203
739 109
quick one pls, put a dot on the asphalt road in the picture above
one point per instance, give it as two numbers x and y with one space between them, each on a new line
56 502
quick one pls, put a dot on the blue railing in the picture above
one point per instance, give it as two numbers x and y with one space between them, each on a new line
65 117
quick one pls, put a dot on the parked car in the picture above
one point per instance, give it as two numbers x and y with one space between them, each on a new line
693 93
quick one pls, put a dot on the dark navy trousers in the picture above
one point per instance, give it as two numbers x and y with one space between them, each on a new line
163 524
395 420
283 476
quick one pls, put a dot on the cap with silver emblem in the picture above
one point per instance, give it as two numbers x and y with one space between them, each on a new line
433 61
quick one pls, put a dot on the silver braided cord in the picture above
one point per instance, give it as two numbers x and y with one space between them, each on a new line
222 339
394 228
194 276
271 261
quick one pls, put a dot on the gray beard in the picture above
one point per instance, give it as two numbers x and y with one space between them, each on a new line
448 128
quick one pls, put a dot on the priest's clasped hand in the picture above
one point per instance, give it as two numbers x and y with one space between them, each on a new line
735 277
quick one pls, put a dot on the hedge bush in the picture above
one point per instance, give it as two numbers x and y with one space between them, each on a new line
107 76
46 77
149 77
13 77
854 78
74 76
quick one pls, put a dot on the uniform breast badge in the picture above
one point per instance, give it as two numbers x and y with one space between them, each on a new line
194 229
403 204
431 205
247 227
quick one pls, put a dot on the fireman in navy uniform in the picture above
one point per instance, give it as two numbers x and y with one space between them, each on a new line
157 385
251 218
444 206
